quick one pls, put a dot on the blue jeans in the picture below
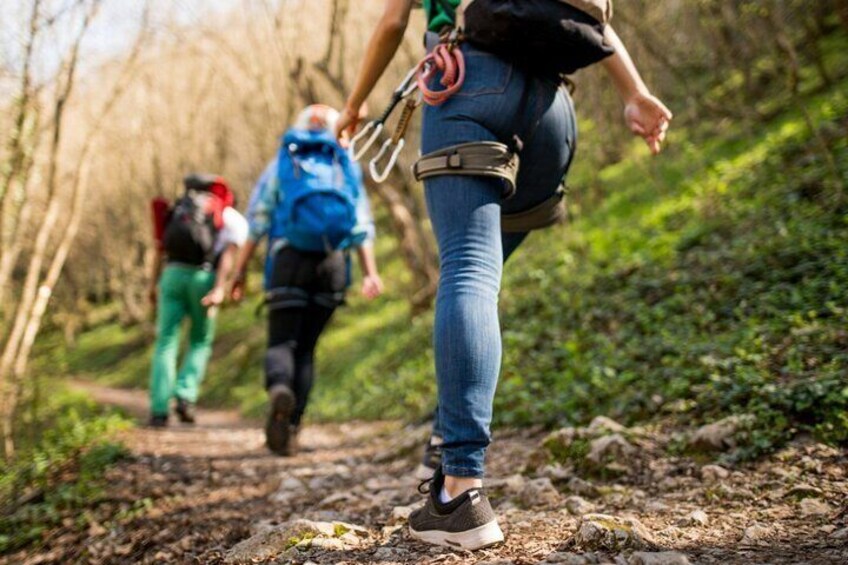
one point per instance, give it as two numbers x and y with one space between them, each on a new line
496 103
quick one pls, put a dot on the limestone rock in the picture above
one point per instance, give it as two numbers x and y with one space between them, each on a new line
270 541
718 436
658 558
578 506
609 449
713 473
583 487
539 492
601 531
814 507
602 424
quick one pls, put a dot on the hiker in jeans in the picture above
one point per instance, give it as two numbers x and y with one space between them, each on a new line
516 103
197 243
311 205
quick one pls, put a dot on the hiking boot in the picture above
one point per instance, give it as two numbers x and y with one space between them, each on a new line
466 522
185 411
278 430
431 460
158 421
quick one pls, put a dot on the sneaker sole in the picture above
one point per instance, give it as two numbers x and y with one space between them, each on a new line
277 435
481 537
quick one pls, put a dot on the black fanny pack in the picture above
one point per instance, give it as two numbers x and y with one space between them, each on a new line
541 36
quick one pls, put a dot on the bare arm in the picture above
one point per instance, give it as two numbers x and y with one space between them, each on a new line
222 277
158 261
237 292
381 49
644 113
372 284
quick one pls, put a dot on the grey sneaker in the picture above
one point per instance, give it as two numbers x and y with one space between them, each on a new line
278 427
466 522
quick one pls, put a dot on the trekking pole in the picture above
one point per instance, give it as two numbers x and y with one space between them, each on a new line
374 128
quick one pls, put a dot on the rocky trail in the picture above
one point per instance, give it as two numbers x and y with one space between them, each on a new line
212 494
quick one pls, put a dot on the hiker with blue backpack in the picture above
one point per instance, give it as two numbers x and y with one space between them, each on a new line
312 206
498 138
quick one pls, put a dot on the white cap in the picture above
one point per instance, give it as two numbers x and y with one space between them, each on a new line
317 117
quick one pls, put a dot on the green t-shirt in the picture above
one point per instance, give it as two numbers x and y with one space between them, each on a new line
440 13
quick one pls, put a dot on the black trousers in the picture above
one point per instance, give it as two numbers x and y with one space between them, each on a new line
294 327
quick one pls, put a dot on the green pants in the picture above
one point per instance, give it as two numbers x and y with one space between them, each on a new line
180 291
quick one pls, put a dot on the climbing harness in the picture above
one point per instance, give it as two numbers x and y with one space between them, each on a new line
478 158
551 211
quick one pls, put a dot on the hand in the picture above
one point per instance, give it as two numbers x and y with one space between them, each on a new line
348 122
372 286
215 297
647 117
237 290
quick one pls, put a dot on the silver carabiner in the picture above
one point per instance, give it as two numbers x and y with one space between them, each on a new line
372 166
375 125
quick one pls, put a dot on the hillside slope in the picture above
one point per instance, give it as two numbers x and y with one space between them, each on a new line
708 281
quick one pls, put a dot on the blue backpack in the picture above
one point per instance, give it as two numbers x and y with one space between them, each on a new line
318 192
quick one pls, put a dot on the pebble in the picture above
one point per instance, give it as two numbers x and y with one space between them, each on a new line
713 473
694 518
578 506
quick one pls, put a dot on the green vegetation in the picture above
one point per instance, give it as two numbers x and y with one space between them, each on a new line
708 281
51 480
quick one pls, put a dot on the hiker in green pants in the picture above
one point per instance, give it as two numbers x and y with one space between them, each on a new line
197 242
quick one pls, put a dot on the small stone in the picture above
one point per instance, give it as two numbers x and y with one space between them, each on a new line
658 558
713 473
583 487
610 449
804 491
695 518
840 534
602 424
828 529
389 554
657 507
601 531
814 507
539 492
578 506
291 483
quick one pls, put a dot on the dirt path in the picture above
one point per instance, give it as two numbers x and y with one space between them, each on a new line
192 494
